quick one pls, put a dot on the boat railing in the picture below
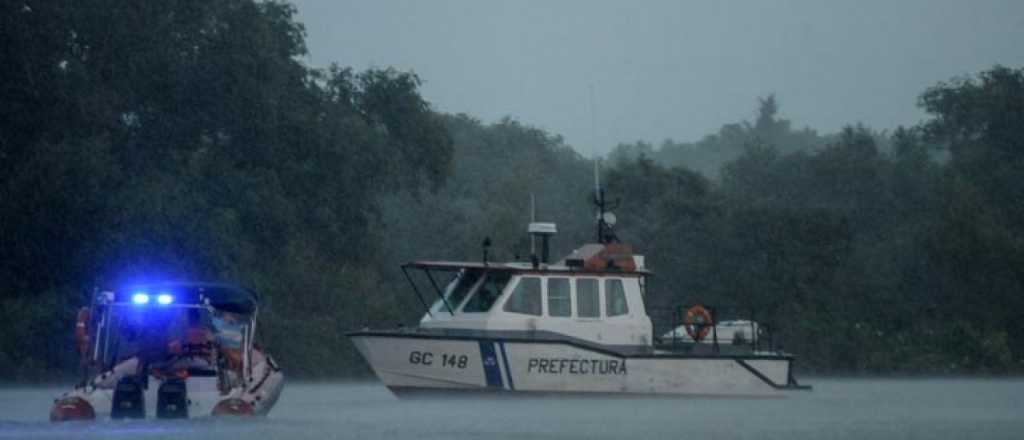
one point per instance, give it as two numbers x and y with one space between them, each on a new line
742 331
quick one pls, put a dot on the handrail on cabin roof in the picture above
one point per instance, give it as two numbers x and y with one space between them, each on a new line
517 267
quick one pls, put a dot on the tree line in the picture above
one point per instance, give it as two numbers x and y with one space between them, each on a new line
187 139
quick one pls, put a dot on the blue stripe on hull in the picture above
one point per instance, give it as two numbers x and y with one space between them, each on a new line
508 372
492 372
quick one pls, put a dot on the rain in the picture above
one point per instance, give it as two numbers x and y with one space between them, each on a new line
506 219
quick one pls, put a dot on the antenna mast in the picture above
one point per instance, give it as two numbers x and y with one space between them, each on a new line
533 219
605 219
599 200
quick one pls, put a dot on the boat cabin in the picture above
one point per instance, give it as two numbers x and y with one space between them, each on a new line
593 294
154 323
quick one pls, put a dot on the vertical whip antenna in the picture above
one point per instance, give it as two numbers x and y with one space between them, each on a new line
605 219
533 219
599 200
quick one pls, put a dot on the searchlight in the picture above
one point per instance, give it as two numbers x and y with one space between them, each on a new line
140 298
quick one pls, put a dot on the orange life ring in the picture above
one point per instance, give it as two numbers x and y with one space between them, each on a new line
82 331
697 322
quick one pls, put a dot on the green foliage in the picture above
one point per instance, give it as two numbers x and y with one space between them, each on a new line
870 252
711 153
186 139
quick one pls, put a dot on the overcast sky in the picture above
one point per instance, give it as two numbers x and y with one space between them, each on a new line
669 69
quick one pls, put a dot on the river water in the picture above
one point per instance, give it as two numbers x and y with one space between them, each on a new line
836 409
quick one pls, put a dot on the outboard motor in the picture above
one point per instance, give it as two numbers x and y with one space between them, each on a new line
128 400
172 400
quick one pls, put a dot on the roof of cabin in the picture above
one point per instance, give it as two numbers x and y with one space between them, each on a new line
222 296
589 259
518 267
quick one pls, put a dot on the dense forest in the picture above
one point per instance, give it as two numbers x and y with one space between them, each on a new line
187 139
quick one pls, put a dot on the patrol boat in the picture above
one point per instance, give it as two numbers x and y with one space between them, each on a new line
578 325
171 350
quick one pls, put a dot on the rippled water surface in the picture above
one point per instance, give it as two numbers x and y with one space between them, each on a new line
836 409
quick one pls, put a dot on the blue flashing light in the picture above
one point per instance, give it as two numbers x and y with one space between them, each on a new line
140 298
164 299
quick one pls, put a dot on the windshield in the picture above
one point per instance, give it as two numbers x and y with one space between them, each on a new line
487 294
457 290
156 334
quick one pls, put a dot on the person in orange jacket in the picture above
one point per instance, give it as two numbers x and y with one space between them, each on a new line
195 343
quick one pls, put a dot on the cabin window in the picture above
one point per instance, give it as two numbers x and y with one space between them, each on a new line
525 298
487 293
559 302
588 299
615 298
458 289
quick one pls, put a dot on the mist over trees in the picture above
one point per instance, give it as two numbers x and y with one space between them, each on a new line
872 252
709 154
187 139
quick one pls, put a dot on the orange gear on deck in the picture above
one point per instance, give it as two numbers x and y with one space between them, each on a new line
197 342
82 331
697 322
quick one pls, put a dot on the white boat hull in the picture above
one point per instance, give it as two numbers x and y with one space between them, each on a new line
262 389
412 362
